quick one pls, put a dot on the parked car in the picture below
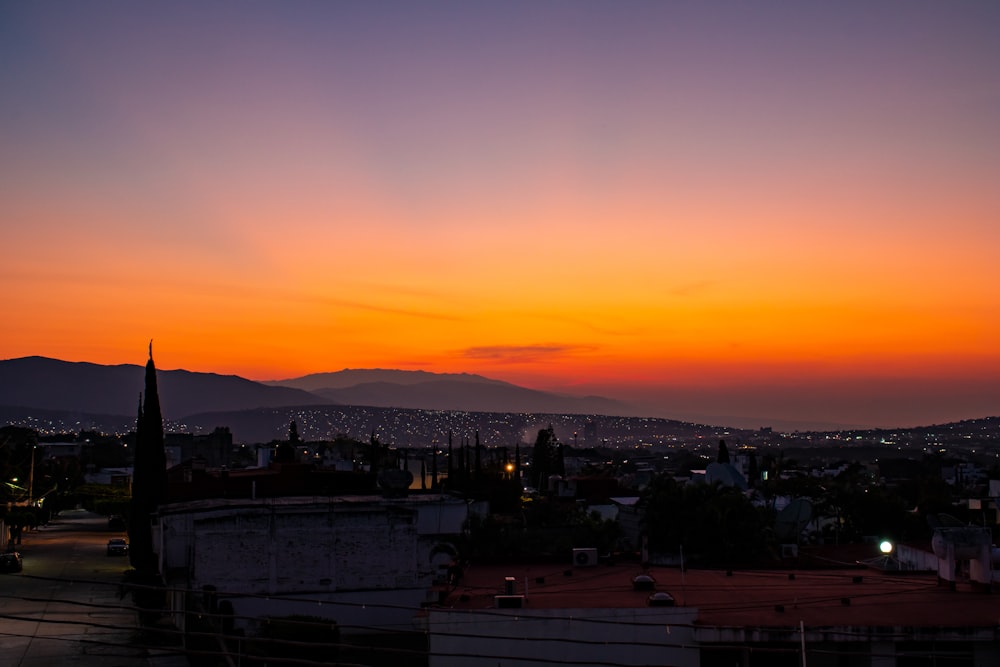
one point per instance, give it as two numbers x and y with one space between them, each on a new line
117 547
11 562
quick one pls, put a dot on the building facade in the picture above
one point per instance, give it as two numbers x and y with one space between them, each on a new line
357 560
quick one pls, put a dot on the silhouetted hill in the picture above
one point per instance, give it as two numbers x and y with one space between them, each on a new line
405 407
49 422
352 377
40 383
51 384
445 391
403 427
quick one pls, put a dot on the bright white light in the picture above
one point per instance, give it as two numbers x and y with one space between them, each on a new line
885 547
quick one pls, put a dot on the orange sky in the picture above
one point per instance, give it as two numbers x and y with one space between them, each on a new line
634 198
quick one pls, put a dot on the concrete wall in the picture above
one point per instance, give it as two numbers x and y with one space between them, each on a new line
580 637
320 550
361 561
357 612
300 550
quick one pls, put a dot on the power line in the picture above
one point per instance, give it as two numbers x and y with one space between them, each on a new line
524 616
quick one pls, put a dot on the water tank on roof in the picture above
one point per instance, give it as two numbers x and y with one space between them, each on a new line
967 541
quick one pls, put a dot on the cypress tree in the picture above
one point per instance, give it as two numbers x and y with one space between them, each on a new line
723 452
434 468
149 475
451 470
463 471
479 460
375 454
542 458
467 458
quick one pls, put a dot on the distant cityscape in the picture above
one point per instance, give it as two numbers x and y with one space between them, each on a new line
402 536
976 440
500 334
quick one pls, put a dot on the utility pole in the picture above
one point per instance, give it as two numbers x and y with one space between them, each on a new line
31 477
802 634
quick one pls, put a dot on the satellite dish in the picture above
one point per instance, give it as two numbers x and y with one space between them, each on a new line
790 521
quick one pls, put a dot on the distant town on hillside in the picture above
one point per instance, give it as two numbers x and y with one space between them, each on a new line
360 531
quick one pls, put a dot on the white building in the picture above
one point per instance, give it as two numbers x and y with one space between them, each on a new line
358 560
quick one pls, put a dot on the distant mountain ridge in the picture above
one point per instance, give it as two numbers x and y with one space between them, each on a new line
424 390
350 377
82 387
83 395
52 384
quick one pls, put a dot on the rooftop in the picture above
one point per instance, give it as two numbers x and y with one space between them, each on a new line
838 597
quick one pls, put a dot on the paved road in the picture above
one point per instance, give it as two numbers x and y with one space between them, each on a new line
64 608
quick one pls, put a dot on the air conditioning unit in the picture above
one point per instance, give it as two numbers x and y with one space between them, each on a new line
585 557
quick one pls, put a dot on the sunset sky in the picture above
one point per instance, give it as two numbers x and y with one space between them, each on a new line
762 210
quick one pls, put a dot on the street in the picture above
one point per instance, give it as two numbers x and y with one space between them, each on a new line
64 607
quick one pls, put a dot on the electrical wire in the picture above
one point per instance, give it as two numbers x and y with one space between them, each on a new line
491 612
479 636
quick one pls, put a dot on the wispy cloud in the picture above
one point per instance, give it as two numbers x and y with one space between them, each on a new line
356 304
693 288
516 354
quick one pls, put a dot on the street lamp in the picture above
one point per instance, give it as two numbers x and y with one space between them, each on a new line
886 561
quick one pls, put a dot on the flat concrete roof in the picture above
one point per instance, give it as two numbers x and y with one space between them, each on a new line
836 597
213 504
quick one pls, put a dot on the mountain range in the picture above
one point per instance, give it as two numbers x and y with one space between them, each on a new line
48 384
55 395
